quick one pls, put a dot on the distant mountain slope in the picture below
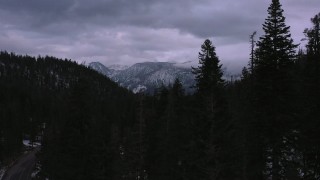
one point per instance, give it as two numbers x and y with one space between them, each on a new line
102 69
147 76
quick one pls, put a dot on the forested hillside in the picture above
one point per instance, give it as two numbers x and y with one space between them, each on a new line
78 105
263 126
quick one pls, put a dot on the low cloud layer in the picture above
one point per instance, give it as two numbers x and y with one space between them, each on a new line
126 32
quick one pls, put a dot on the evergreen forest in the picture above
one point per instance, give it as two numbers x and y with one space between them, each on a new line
264 125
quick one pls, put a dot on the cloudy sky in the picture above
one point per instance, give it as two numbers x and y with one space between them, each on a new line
130 31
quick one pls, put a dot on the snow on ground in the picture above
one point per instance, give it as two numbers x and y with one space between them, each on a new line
2 171
139 89
27 143
36 170
35 174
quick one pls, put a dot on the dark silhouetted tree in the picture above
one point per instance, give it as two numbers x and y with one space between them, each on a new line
211 136
273 89
313 36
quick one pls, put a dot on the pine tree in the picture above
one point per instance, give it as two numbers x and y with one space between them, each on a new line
211 138
273 88
309 104
276 48
209 85
209 74
313 36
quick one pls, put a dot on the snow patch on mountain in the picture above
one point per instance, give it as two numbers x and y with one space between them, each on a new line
139 89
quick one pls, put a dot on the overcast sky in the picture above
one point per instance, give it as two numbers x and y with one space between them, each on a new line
130 31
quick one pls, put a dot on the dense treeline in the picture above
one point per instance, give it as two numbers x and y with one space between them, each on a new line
264 126
277 104
78 105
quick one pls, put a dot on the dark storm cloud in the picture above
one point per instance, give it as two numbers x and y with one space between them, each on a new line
128 31
202 18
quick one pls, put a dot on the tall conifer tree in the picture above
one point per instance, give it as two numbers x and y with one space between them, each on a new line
276 48
273 88
208 74
212 140
209 84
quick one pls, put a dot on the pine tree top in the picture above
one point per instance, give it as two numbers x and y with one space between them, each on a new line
313 36
209 74
276 44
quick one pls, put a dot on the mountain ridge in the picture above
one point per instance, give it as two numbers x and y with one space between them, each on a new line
147 76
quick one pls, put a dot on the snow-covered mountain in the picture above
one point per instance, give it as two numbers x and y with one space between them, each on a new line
147 76
118 67
102 69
